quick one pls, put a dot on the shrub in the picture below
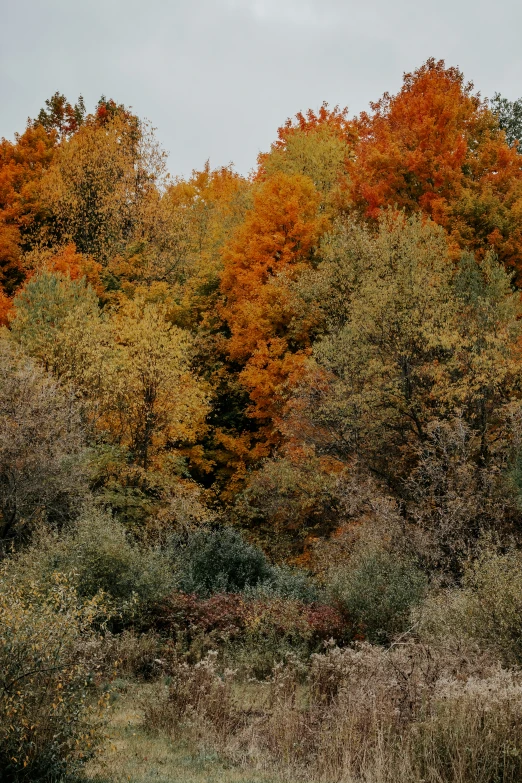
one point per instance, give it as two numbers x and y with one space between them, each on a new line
494 584
194 694
378 589
486 609
48 724
217 561
100 556
254 633
133 654
42 449
221 616
285 582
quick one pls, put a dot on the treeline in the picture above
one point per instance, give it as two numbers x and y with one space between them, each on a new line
348 313
250 415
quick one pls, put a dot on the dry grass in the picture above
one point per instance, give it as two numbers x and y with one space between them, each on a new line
134 755
411 714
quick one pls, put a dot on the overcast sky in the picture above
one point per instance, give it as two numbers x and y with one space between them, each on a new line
217 77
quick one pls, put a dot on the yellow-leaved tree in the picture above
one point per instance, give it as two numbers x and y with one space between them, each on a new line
131 367
155 399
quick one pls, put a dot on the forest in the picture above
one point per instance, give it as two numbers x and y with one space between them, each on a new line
261 448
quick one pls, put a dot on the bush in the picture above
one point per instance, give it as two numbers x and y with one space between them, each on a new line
48 725
99 555
252 632
220 617
217 561
42 450
285 582
486 609
134 654
378 589
195 694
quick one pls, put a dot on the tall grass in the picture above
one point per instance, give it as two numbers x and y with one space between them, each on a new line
409 714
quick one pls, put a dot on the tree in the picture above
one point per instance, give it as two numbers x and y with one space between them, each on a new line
454 496
155 400
99 179
276 240
413 146
131 370
22 164
509 115
436 147
178 235
409 342
317 146
61 116
55 317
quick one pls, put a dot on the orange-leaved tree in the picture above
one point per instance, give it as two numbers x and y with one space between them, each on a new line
436 147
22 163
266 344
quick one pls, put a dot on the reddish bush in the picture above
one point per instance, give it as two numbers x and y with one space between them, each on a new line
327 622
227 616
224 614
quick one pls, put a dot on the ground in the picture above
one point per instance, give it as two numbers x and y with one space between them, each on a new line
132 755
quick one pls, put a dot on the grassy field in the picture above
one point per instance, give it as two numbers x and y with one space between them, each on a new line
133 755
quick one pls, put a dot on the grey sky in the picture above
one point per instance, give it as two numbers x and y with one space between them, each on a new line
217 77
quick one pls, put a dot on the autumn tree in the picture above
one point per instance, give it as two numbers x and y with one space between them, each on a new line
437 147
175 250
54 316
276 240
317 145
59 115
35 212
157 402
410 342
98 180
22 164
214 203
415 382
131 369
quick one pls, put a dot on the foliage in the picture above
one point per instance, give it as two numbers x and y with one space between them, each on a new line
251 631
318 146
275 241
126 367
417 360
452 498
487 608
49 723
289 499
46 311
100 179
60 115
22 165
99 556
509 114
378 589
154 397
217 561
436 147
327 355
43 475
285 582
